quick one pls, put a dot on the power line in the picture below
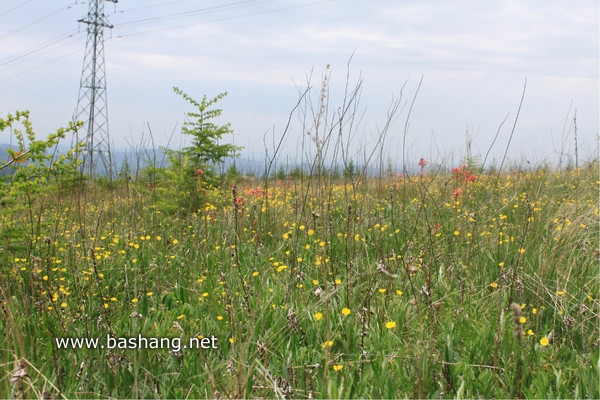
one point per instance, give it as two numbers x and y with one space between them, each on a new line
37 21
47 45
15 7
218 19
161 4
37 48
26 71
206 10
200 11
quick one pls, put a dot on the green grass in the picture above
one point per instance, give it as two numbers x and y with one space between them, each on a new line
381 288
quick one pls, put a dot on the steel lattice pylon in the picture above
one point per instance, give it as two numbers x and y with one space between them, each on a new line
92 105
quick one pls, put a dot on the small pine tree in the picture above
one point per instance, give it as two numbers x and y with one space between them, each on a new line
205 150
350 170
281 173
125 171
233 173
193 167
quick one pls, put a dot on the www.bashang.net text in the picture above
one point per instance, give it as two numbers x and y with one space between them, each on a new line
137 342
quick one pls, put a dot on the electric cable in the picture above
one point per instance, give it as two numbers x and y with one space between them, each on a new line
161 4
118 27
200 11
25 71
14 8
37 21
38 48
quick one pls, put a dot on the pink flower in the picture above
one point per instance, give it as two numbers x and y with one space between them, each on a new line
460 174
255 192
469 177
459 169
422 163
457 194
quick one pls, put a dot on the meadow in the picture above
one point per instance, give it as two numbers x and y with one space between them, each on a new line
453 282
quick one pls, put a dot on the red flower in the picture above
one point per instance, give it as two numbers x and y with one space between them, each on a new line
457 194
460 174
422 162
459 169
256 192
469 177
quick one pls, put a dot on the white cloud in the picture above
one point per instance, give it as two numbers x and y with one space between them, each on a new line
474 57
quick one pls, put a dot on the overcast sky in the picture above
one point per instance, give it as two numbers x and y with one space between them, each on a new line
473 57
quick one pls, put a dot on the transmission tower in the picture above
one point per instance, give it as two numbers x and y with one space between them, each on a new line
91 105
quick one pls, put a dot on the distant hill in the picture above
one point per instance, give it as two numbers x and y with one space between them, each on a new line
249 164
3 152
140 159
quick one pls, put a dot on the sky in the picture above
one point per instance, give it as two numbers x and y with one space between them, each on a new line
455 70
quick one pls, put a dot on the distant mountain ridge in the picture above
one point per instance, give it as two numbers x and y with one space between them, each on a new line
249 164
140 159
